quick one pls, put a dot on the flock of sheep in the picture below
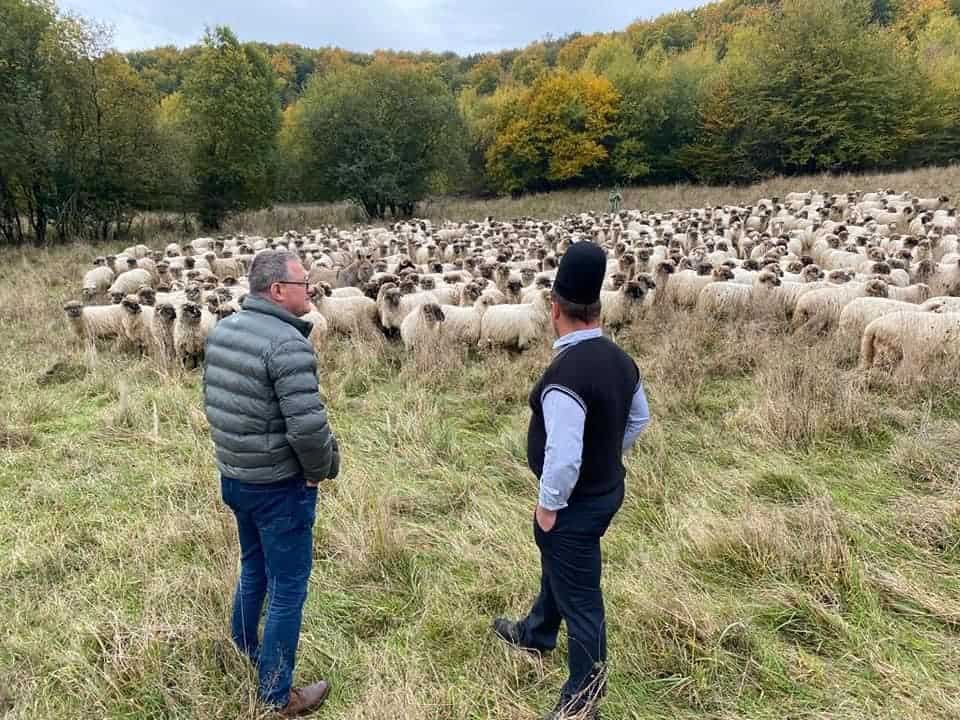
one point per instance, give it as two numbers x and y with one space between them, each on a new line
883 267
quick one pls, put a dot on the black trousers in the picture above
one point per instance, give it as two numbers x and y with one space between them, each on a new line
570 563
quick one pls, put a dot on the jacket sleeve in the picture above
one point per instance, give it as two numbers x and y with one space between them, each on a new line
293 368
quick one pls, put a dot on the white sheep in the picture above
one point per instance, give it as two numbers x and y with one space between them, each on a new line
915 294
915 341
941 305
138 324
393 306
346 315
820 309
190 331
621 307
95 322
129 282
855 317
421 329
318 332
96 284
516 326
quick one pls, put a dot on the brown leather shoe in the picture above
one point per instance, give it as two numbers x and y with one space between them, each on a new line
305 700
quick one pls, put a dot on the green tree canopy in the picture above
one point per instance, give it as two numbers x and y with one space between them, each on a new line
385 136
233 114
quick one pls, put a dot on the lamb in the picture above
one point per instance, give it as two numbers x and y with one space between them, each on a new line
917 341
129 282
861 312
517 326
95 322
621 307
820 310
96 284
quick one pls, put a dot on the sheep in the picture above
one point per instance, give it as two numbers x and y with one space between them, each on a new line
941 305
732 300
946 280
190 335
621 307
129 282
318 332
855 317
820 310
393 306
95 322
517 326
96 284
915 294
137 324
421 329
164 316
915 341
346 315
684 287
463 324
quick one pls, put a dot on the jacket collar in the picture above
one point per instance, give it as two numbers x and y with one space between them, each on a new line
257 304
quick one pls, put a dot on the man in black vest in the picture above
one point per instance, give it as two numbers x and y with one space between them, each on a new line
588 409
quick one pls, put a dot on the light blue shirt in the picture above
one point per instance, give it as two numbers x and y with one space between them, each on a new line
564 419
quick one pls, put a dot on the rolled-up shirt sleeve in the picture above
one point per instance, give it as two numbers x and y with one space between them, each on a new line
638 419
564 416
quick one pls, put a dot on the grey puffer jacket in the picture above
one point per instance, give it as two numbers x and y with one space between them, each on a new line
261 397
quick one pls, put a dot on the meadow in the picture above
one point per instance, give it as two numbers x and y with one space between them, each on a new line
789 546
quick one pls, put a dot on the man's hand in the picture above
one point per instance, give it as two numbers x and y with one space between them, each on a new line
312 483
546 519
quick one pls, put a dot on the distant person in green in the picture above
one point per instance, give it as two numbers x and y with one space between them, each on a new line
614 198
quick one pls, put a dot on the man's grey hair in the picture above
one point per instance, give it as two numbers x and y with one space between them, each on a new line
268 267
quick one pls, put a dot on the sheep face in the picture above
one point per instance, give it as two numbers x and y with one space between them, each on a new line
191 313
428 283
194 292
527 276
167 312
617 280
131 305
811 273
769 279
634 290
73 309
147 295
116 298
876 288
433 313
722 273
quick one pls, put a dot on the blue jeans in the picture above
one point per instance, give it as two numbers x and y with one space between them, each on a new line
275 524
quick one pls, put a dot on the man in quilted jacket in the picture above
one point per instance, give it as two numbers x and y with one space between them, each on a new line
273 447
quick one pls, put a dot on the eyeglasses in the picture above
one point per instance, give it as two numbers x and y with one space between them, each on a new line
305 284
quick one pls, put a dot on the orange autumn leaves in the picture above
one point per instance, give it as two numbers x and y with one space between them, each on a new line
555 130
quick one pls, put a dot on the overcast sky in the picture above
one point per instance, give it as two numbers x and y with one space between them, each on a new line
460 25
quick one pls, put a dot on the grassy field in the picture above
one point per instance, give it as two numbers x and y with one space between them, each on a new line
789 546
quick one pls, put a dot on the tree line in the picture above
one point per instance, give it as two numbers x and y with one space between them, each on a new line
730 92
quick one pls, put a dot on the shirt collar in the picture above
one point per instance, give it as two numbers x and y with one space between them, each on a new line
577 336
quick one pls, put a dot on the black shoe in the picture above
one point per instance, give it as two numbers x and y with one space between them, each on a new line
569 709
509 632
